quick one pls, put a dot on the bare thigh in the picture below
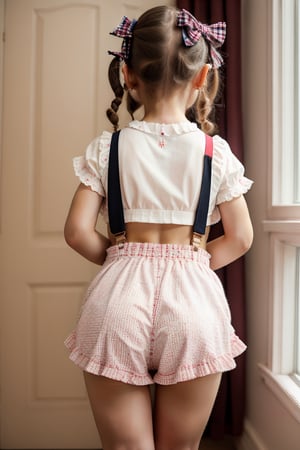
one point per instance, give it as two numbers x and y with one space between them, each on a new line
182 411
122 412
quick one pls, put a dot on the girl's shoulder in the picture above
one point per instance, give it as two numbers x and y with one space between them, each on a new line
100 144
221 147
97 152
91 166
224 160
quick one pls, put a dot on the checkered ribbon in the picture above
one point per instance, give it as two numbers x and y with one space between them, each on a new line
124 30
192 30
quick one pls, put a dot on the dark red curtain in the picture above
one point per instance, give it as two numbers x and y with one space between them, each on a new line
228 413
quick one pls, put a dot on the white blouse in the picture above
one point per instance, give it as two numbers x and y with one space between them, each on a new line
161 171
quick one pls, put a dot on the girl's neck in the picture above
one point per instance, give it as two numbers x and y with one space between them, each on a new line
166 110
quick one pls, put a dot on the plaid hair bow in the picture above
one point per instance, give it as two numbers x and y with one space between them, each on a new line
192 30
124 30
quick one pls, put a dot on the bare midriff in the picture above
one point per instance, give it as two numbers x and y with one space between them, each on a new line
160 233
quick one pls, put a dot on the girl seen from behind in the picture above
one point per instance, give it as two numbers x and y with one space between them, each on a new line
156 311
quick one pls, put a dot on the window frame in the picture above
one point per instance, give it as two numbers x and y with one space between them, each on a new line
283 216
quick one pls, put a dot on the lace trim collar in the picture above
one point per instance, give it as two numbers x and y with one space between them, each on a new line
165 129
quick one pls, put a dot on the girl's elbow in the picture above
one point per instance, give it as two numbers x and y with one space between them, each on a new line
245 241
72 236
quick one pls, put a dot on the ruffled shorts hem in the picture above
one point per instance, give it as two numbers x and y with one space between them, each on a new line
93 365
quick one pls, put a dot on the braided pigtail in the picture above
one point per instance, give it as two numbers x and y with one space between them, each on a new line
203 108
132 103
114 79
206 102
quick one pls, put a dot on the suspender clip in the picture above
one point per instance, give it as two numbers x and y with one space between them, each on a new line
120 239
197 241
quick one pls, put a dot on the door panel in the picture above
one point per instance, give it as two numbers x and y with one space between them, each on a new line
55 96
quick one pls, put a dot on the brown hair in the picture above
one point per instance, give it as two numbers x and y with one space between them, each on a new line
160 59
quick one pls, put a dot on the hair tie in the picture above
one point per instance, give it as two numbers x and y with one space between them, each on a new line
124 30
192 30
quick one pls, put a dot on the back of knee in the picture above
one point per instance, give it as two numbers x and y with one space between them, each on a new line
177 443
133 444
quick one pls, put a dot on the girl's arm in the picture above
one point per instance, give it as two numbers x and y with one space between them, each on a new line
80 227
238 234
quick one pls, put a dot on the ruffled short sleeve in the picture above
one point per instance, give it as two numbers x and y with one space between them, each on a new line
91 168
229 180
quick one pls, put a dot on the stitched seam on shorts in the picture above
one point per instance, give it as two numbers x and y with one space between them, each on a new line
158 277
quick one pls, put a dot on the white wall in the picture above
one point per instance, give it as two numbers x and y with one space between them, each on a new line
269 425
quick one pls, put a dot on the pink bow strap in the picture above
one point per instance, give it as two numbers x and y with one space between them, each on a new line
124 30
192 30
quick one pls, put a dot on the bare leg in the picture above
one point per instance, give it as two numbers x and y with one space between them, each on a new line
122 413
182 412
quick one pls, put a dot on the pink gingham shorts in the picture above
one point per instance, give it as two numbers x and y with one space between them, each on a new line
155 313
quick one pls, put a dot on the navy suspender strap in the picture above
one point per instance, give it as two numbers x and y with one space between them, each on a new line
114 201
115 205
199 226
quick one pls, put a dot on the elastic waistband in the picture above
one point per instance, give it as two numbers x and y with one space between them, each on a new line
165 251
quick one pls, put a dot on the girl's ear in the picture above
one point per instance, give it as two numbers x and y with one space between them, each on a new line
200 78
129 77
